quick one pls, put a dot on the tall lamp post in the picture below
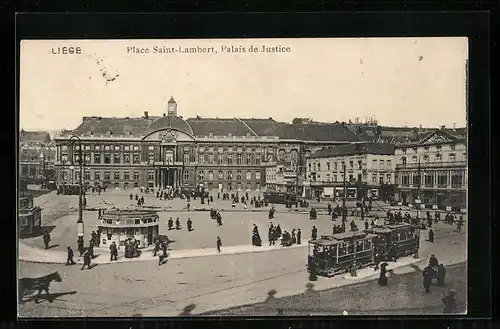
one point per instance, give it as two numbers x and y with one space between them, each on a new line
354 271
79 224
344 211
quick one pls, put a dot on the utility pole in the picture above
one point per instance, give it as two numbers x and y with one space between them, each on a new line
344 211
79 224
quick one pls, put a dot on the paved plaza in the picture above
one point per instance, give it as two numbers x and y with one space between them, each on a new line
191 284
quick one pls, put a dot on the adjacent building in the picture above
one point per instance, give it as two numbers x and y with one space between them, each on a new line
433 170
36 155
364 166
168 150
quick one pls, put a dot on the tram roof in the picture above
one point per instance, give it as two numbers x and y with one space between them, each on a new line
324 242
349 235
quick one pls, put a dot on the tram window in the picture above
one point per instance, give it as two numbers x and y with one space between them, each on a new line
350 248
137 221
359 246
342 249
368 245
404 236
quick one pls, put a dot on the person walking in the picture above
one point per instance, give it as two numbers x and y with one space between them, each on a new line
46 239
382 279
427 278
177 224
299 235
314 233
86 260
70 260
189 224
113 250
219 244
431 235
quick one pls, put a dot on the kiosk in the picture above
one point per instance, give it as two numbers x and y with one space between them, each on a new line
120 226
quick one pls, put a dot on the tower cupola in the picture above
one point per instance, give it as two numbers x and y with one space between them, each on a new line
172 107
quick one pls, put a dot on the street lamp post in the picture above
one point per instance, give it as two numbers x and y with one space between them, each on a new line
79 224
344 212
354 271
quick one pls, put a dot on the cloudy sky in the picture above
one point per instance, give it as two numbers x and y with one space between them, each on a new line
399 81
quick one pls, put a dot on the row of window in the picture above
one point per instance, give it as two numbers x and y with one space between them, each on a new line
431 178
437 158
375 179
381 164
219 149
117 175
426 148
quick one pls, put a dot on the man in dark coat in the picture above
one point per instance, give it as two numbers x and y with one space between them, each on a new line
86 260
70 260
189 224
367 226
278 231
382 279
164 255
46 239
329 209
219 219
113 250
431 235
294 238
299 235
314 233
219 244
170 223
427 278
177 224
270 234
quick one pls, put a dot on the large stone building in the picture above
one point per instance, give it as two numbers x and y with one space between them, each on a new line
167 150
36 155
433 170
367 166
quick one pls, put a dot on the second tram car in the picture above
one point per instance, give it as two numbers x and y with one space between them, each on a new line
338 253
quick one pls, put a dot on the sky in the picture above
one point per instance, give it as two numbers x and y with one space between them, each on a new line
398 81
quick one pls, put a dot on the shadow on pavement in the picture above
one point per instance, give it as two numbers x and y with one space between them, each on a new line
39 232
53 246
49 297
187 310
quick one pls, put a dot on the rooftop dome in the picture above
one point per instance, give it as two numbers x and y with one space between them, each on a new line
169 122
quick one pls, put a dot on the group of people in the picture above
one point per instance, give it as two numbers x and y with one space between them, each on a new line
214 214
161 245
287 238
140 201
170 224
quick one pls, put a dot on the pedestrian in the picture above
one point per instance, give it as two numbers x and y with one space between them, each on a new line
299 235
164 255
156 248
278 231
219 219
294 238
86 260
189 224
329 209
113 251
70 260
450 303
460 222
270 234
441 275
382 279
177 224
431 235
366 225
314 233
46 239
219 244
427 274
170 224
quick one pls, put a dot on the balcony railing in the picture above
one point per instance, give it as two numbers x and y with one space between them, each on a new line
426 165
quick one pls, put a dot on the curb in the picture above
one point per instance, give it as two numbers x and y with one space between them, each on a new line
151 258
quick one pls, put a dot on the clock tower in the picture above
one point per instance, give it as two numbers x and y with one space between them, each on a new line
172 107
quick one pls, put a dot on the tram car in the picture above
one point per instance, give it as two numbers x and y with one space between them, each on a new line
338 253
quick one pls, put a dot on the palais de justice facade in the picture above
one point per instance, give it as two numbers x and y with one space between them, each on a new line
167 150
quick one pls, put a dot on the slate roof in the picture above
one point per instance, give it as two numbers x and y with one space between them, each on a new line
34 136
318 132
169 121
264 127
218 127
118 126
354 149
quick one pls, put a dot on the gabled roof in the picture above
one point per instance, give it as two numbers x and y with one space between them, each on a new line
34 136
354 149
318 132
437 136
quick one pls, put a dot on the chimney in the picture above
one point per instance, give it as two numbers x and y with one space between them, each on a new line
146 115
454 126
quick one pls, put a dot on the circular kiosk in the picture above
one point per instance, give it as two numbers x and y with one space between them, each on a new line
120 226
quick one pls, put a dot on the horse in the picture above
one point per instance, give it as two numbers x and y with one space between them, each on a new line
29 285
